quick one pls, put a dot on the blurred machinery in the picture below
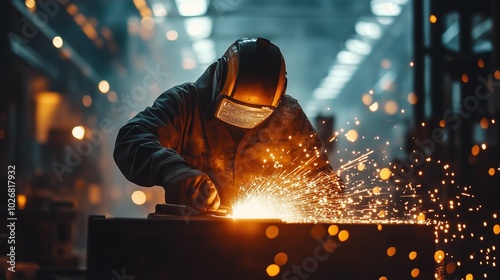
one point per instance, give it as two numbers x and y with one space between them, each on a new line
44 240
457 79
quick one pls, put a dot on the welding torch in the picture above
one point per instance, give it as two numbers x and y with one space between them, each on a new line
169 209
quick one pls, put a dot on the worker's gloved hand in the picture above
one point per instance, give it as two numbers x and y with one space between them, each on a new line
191 187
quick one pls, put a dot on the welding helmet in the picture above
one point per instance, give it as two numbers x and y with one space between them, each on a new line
249 80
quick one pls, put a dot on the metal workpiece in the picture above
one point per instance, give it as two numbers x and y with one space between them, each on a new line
221 247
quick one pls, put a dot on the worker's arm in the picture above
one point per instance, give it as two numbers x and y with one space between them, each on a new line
145 151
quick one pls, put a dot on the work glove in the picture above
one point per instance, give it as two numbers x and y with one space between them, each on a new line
191 187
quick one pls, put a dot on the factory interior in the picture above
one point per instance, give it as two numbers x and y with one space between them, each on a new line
403 94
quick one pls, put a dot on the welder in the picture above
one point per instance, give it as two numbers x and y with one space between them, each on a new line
202 141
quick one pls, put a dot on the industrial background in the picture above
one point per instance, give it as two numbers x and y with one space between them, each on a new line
414 82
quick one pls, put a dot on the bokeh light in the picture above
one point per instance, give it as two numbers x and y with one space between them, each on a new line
103 86
480 63
31 4
497 74
171 35
465 78
439 256
391 251
491 171
415 272
78 132
280 258
496 229
373 107
148 22
21 201
361 166
450 267
475 150
318 231
385 173
412 98
432 18
112 96
367 99
421 217
272 232
352 135
87 101
333 230
188 63
57 41
385 63
484 123
138 197
343 235
273 270
391 107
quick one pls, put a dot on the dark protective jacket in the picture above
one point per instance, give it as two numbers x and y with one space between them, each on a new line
180 129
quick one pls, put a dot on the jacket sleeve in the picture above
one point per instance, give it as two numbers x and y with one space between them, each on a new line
145 146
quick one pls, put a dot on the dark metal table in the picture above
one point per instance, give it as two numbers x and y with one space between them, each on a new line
223 248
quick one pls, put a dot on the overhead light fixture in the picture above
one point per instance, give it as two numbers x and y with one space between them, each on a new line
343 67
202 45
368 29
386 7
205 51
159 10
190 8
385 20
358 46
198 27
335 81
348 57
325 93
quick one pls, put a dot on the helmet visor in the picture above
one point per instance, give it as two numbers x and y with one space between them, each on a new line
240 115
